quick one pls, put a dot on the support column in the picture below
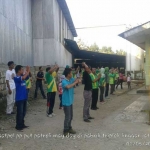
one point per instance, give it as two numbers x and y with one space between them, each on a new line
147 64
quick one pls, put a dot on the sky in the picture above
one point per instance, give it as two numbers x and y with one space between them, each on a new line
89 13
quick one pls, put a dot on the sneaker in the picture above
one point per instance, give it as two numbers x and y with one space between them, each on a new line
50 115
71 131
25 126
19 129
66 133
53 114
87 120
90 118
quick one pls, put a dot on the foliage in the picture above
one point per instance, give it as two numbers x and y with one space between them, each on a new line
95 48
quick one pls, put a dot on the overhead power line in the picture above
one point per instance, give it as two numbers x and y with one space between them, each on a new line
100 26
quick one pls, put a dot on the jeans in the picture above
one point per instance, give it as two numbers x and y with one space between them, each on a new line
87 102
21 112
51 101
102 93
68 110
107 89
39 85
94 98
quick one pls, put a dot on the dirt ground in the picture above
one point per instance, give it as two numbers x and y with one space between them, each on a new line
115 126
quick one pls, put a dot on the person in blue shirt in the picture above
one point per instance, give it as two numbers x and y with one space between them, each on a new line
67 100
21 96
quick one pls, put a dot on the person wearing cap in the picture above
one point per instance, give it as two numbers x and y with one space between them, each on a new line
11 88
60 90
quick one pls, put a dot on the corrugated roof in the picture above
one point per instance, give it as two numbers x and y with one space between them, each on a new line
66 13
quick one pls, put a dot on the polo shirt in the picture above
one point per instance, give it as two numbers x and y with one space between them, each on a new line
51 83
68 94
94 84
21 92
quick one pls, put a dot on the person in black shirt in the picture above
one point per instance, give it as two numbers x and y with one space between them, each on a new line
87 93
40 77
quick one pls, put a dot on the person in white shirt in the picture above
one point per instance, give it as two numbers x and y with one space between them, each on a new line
11 89
129 81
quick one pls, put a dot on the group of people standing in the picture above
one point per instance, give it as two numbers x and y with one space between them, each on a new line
18 85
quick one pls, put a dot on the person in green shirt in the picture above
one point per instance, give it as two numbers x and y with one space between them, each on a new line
95 79
116 78
51 89
111 81
102 84
107 82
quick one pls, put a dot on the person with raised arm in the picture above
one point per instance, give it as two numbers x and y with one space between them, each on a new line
21 96
87 93
51 89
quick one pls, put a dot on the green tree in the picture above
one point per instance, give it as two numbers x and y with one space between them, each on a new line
94 47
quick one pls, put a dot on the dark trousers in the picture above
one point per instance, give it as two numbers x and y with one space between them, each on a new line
82 81
21 112
28 90
102 93
112 88
94 98
60 97
39 85
129 85
68 110
51 101
107 89
120 82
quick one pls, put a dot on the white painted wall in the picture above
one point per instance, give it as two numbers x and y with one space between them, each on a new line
16 32
47 46
136 55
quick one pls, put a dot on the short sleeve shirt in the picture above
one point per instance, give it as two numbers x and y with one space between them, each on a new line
94 84
21 92
87 81
10 74
68 94
51 83
40 75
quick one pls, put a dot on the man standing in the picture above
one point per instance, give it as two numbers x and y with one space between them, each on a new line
87 93
11 88
40 78
95 79
51 89
112 80
107 82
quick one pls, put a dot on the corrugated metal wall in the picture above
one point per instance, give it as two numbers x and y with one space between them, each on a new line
16 32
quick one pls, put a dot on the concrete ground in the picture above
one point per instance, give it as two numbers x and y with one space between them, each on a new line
119 124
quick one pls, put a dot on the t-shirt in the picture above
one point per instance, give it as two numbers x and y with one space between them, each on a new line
10 74
21 92
94 84
28 82
129 79
111 78
97 71
51 83
40 75
88 81
68 94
